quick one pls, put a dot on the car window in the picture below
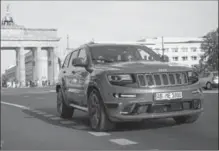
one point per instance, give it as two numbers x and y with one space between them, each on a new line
206 75
124 53
65 64
83 54
73 56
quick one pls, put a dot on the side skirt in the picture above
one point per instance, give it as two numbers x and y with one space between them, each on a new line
85 109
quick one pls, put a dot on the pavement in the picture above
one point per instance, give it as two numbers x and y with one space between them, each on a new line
29 122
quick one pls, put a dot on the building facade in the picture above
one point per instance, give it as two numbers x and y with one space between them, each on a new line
29 65
183 50
10 73
42 44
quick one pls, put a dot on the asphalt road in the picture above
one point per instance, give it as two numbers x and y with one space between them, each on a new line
29 121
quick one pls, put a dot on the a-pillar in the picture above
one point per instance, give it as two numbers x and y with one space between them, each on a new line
20 67
38 62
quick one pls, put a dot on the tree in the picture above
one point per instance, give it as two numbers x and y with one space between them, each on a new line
209 45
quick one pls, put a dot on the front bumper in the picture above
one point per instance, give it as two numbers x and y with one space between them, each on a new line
143 116
145 96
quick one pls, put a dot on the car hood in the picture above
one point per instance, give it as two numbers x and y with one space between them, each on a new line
142 67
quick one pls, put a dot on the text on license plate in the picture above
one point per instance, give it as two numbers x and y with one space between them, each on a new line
168 96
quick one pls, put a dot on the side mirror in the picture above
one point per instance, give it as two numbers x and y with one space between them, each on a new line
79 62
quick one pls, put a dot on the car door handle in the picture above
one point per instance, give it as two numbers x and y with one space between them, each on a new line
73 72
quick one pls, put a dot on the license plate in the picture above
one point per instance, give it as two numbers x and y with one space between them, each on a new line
168 96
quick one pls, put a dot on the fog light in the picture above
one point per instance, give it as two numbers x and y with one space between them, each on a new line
128 109
196 104
128 95
142 109
116 95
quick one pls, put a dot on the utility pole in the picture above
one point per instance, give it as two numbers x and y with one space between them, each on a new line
67 42
162 48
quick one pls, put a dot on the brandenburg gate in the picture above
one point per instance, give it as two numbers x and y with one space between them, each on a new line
38 41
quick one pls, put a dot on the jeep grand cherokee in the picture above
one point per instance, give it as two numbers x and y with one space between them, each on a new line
126 82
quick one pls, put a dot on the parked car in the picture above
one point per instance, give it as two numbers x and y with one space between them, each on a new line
209 80
126 82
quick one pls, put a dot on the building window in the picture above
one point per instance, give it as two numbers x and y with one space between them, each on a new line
184 58
184 49
174 49
166 49
193 49
194 57
175 58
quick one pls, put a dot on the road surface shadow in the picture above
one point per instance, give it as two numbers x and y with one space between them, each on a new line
78 123
81 122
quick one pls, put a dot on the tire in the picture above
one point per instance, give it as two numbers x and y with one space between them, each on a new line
186 119
63 110
208 86
99 120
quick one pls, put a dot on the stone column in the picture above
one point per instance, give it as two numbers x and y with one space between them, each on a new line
55 65
34 69
20 67
50 66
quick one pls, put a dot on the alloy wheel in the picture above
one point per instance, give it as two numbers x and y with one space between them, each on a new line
94 111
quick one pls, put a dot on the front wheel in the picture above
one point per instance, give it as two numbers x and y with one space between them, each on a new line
63 110
99 120
186 119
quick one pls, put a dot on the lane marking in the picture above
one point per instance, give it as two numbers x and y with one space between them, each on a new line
41 113
49 115
123 142
99 133
15 105
26 96
55 118
67 122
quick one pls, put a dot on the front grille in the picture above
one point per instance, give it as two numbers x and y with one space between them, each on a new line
162 79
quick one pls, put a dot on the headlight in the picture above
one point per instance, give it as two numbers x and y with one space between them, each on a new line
122 78
192 77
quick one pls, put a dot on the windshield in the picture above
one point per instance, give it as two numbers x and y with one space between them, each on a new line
110 54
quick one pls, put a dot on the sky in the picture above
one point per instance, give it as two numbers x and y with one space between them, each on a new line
112 20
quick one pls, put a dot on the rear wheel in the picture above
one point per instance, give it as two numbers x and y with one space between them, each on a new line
186 119
63 110
208 86
99 120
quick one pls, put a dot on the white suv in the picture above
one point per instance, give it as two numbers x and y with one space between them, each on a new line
208 80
